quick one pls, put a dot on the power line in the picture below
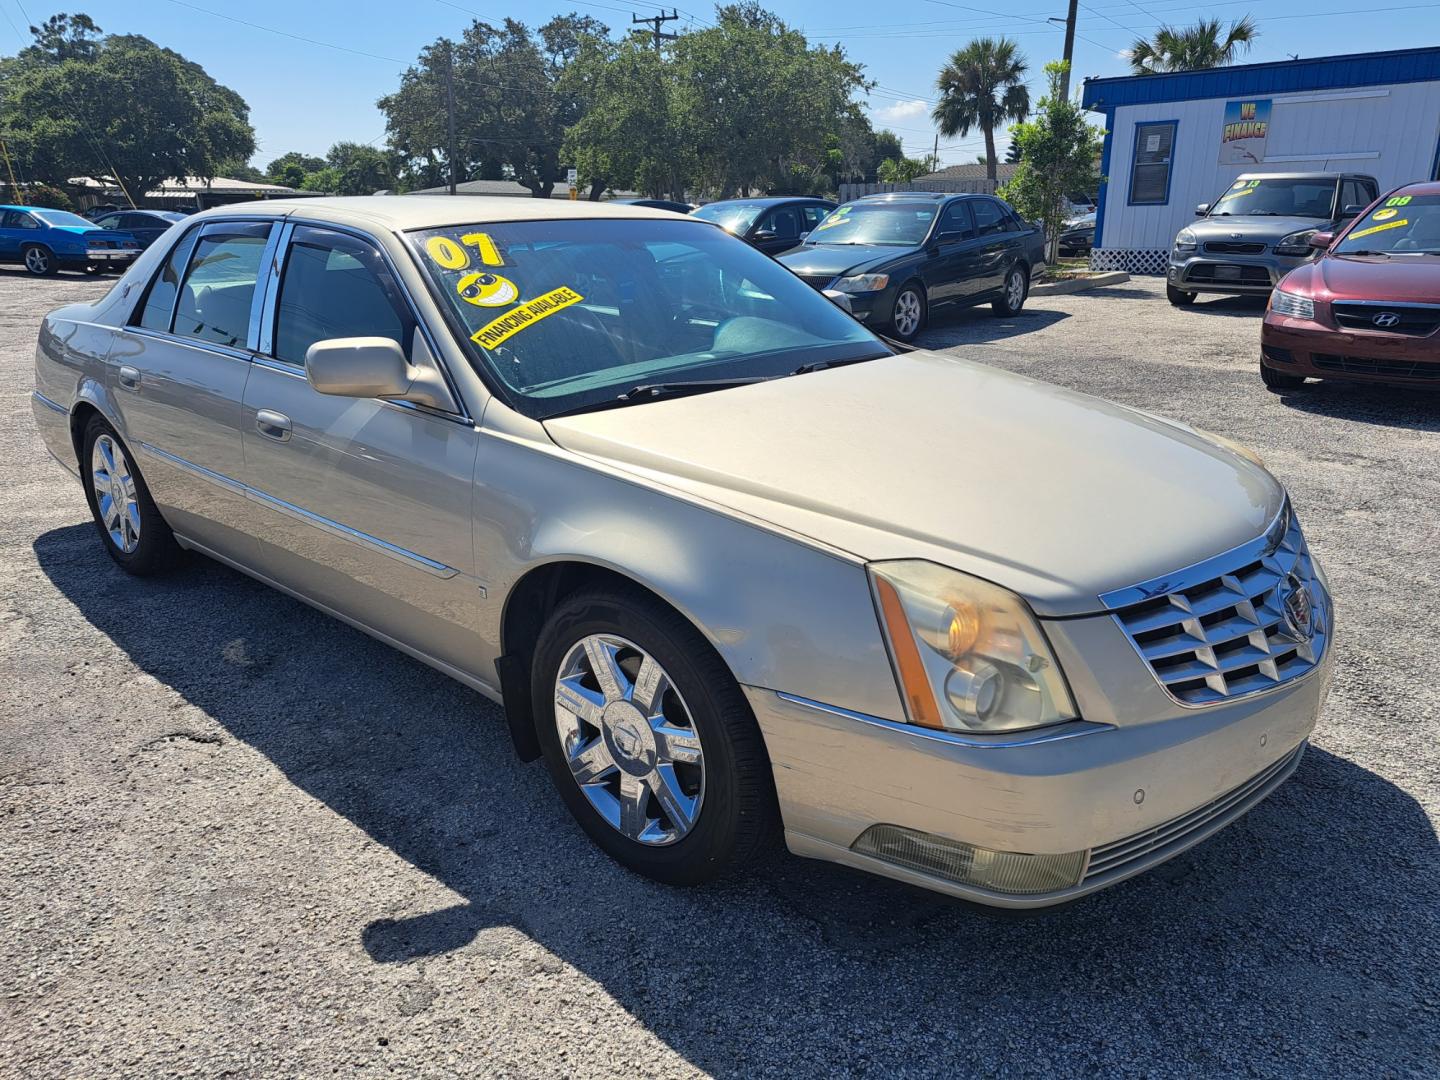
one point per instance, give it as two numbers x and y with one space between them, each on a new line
657 21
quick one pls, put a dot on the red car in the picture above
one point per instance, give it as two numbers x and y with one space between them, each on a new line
1369 307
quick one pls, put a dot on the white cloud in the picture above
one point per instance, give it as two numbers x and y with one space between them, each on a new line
904 110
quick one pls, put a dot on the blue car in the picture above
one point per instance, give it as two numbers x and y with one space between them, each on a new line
44 241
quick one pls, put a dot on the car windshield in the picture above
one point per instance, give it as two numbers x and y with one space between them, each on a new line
1399 225
735 216
876 223
62 217
575 314
1278 198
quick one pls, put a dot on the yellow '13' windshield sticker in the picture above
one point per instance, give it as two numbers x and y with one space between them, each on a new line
1378 228
527 314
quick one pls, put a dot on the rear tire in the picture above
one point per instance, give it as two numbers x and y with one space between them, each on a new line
1179 297
625 754
1012 293
130 525
1276 382
38 260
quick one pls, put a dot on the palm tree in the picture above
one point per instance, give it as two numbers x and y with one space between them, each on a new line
1192 47
982 85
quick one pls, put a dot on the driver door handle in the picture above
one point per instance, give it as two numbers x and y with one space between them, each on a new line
129 377
273 425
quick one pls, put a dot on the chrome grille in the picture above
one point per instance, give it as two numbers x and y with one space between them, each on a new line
1220 630
1109 858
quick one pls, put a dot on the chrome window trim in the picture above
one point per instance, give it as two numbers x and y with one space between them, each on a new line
1390 304
1069 729
335 528
229 352
270 312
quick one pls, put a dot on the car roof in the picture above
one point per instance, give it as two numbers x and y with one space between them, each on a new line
921 196
402 212
1304 176
770 200
1420 187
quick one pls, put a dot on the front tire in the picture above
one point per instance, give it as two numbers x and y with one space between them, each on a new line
1012 293
39 261
649 740
908 318
130 525
1179 297
1277 382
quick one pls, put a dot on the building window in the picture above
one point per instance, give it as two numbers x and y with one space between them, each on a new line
1150 163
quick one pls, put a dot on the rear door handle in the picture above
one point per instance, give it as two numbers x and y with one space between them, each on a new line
129 377
273 425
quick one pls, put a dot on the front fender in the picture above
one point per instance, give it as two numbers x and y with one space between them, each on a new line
782 612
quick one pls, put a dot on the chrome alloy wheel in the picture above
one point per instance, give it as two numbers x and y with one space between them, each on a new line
629 739
907 313
114 488
1014 290
37 260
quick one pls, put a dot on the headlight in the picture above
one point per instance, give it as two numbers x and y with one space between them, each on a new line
969 655
1297 243
1292 304
862 283
1185 240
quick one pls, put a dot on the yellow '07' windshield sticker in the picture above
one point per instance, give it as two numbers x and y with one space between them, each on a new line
499 330
1378 228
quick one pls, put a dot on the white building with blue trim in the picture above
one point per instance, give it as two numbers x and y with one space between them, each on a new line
1175 140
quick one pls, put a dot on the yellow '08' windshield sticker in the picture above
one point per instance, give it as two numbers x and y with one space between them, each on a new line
499 330
1378 228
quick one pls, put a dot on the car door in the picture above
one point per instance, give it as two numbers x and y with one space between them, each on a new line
16 227
777 230
363 505
995 246
177 375
951 256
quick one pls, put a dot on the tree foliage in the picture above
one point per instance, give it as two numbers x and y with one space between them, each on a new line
292 168
1058 152
118 108
509 111
1207 44
982 85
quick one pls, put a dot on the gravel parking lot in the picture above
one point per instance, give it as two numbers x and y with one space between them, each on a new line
240 839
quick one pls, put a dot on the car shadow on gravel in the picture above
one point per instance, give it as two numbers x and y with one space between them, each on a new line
1417 408
1303 939
979 324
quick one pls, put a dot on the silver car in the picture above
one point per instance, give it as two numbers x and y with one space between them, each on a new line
733 564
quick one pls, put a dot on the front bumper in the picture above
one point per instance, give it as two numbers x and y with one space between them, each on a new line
1143 780
1209 272
1313 350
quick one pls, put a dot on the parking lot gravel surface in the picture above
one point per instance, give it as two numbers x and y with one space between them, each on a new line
239 839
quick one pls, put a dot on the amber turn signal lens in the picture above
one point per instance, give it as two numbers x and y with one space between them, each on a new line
918 695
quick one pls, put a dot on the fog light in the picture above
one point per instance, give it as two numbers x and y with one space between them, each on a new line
998 871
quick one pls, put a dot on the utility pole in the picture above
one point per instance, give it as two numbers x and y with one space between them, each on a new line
657 21
1069 47
935 155
450 107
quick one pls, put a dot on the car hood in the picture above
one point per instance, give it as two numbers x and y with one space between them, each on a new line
1054 494
1252 227
814 260
1350 277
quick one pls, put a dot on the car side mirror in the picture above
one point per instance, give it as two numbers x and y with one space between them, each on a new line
1202 209
765 234
372 367
1321 240
1353 210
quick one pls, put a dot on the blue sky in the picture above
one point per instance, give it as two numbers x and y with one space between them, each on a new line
304 95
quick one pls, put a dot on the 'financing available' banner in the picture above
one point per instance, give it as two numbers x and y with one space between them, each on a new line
1242 139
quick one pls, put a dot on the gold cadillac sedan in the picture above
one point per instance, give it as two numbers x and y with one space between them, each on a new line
733 564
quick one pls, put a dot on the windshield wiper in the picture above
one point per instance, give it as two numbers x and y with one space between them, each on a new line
652 391
821 365
1379 254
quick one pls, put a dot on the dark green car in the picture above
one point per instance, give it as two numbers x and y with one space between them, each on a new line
898 257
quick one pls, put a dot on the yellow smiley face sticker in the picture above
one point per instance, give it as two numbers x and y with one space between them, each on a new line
1385 215
487 290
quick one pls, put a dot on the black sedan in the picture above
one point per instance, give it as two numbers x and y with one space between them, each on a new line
147 226
900 256
1078 237
772 224
660 204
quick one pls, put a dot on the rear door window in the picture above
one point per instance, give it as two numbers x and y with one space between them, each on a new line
989 218
159 306
219 288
